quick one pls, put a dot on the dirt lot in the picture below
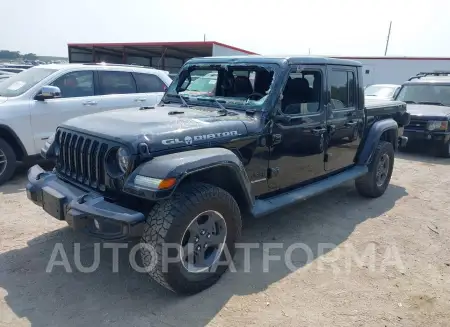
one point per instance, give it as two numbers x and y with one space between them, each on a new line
410 222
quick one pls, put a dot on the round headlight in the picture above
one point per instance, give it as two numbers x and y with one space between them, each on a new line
123 159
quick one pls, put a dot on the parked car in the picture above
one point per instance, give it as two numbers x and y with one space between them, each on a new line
185 172
428 99
21 66
11 70
381 91
5 75
34 102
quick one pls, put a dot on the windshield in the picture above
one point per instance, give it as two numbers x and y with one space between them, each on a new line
230 85
380 91
20 83
205 84
425 94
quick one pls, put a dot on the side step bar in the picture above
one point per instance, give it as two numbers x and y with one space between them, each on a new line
267 206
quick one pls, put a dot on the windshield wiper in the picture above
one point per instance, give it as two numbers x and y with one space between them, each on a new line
409 101
432 103
185 104
222 110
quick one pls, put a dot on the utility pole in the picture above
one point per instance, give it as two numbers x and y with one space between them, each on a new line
204 37
388 36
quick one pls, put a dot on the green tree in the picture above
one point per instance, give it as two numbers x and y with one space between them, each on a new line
30 56
9 55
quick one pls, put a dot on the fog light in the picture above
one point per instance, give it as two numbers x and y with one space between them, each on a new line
96 224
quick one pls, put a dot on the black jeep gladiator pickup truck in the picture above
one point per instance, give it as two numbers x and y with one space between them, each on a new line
275 131
428 101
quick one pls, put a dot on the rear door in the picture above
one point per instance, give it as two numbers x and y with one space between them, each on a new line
118 90
149 87
344 120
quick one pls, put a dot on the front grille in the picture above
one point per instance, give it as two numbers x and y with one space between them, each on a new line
82 158
417 124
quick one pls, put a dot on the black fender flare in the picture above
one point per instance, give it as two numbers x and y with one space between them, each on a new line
373 137
183 164
15 137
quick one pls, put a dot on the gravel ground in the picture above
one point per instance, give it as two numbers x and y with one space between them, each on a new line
405 232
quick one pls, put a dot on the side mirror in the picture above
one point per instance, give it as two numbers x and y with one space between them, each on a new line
283 119
48 92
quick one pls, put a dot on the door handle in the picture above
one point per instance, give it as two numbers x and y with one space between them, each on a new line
276 139
140 100
319 130
351 123
89 103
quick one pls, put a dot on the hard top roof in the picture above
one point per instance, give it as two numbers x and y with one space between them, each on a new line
295 60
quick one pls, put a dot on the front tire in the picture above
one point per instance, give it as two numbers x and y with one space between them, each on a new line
444 150
8 161
199 226
376 181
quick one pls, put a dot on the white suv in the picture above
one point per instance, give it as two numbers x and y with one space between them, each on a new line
34 102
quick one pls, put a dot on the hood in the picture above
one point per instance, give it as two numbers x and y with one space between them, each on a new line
161 129
3 99
371 96
428 111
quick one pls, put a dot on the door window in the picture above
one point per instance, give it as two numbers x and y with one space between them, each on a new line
116 82
148 83
76 84
342 89
302 93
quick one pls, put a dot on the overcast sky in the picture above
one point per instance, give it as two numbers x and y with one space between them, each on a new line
328 27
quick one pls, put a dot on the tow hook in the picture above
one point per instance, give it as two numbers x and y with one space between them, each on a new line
82 199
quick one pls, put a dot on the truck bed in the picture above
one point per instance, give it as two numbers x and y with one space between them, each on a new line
377 109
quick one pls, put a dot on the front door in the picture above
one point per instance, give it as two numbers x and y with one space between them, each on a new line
297 151
344 119
78 98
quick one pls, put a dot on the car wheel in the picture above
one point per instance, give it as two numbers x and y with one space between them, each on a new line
189 239
8 161
354 135
445 150
376 181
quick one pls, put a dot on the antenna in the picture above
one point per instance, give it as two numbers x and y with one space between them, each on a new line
388 36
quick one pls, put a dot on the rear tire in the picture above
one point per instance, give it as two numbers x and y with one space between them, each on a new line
169 222
376 181
8 162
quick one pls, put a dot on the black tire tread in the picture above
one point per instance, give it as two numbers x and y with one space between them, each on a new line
12 161
443 151
365 184
163 216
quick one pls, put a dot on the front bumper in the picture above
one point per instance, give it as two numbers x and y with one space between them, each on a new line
88 212
427 136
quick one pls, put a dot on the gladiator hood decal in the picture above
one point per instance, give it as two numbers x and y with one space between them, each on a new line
163 127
